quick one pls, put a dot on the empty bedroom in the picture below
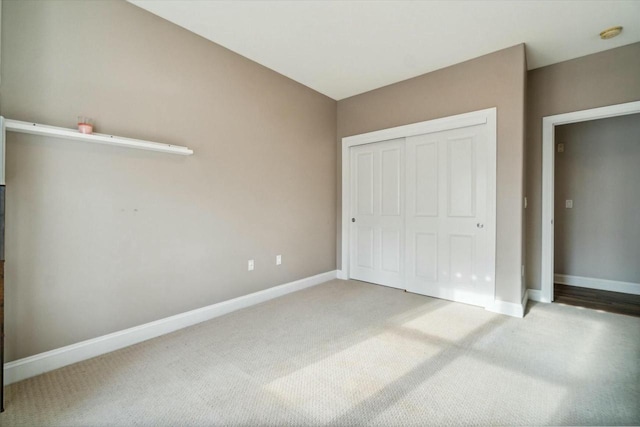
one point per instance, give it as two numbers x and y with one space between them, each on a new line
319 212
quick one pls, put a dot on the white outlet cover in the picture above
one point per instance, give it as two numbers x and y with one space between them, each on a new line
561 148
250 265
278 259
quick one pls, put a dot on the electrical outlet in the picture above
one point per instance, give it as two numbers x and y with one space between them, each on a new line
561 148
278 259
250 265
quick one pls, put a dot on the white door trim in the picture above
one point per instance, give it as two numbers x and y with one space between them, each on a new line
488 116
548 181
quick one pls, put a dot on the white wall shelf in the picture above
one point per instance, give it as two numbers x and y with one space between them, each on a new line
37 129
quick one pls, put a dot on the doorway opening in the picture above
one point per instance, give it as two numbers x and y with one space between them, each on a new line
597 200
586 206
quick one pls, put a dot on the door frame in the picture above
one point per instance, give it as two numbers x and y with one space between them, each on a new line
548 180
487 116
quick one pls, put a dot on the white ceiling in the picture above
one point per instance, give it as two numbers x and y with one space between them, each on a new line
343 48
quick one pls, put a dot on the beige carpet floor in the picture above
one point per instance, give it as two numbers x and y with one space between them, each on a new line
350 353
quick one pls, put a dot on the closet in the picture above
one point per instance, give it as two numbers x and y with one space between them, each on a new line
421 207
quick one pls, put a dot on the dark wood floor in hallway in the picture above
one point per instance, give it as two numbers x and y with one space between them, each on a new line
613 302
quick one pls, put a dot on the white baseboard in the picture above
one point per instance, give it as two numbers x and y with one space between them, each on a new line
510 308
35 365
602 284
535 295
342 274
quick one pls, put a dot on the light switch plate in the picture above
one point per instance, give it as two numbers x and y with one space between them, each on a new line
568 204
278 259
250 265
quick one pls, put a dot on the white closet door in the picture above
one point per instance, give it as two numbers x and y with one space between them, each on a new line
377 213
447 253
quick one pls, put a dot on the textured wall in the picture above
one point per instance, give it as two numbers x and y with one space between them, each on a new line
495 80
599 237
101 238
605 78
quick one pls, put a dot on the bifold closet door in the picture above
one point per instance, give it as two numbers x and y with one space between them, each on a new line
446 211
377 213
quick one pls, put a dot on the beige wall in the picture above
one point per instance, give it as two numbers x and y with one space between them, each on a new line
598 170
101 238
495 80
605 78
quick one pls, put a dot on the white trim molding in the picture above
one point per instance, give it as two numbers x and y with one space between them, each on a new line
548 169
510 308
535 295
40 363
602 284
